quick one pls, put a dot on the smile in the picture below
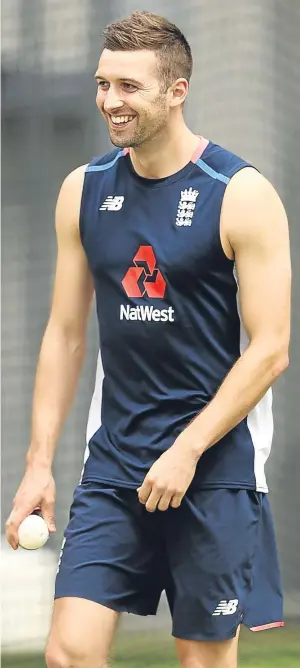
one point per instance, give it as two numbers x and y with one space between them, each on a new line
121 121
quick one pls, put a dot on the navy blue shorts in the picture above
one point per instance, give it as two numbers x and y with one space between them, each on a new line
215 557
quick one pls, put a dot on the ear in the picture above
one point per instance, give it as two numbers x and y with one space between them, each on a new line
178 92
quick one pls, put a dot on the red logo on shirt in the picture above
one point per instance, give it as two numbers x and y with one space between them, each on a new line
144 278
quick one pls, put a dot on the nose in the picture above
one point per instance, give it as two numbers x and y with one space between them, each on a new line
112 101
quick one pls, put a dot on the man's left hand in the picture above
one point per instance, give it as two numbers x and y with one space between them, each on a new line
169 478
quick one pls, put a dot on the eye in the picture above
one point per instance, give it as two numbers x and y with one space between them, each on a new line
103 85
129 87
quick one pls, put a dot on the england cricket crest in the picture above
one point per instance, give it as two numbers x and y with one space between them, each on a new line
186 207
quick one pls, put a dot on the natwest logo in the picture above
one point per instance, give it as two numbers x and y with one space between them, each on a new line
148 313
144 278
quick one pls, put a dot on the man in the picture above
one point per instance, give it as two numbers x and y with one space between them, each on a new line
187 249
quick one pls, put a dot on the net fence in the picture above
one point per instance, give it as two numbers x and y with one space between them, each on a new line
245 95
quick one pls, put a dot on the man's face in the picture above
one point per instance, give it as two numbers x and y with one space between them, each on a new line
129 96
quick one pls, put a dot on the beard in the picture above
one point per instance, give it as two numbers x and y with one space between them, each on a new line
145 127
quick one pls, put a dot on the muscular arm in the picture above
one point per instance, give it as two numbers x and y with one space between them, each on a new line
63 345
254 226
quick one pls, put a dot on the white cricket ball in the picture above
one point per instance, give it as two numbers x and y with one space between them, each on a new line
33 532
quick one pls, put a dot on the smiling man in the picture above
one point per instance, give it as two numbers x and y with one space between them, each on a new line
186 247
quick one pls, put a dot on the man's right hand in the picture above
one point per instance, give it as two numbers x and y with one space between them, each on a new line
37 491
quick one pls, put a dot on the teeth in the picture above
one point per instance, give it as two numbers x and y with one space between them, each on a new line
121 119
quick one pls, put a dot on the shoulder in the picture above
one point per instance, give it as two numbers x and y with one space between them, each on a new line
74 180
69 201
251 207
221 163
104 162
71 191
249 193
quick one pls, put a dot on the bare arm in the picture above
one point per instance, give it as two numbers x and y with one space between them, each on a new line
63 346
254 225
60 361
254 231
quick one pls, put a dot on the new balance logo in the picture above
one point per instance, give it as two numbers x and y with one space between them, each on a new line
226 607
112 204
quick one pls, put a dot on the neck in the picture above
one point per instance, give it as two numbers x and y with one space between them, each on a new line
165 154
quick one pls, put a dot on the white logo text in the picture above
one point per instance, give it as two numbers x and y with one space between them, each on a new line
148 313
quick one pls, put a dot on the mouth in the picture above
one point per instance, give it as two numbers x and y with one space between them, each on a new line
118 122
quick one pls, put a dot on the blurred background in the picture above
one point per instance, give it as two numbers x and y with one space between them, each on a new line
245 94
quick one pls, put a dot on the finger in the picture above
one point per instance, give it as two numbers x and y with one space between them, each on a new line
11 533
47 510
17 516
12 526
176 500
165 501
153 500
145 491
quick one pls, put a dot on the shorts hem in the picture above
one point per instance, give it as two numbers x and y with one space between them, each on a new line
219 638
265 627
131 610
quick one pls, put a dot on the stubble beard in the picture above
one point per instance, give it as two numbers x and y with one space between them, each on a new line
146 129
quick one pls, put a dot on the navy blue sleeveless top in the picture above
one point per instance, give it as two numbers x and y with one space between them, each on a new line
169 324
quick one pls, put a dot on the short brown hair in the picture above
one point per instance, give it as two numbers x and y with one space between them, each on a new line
144 30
